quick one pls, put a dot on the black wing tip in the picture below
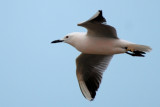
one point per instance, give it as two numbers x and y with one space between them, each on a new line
92 99
100 14
100 11
98 17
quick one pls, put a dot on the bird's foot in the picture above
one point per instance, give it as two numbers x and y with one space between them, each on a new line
134 52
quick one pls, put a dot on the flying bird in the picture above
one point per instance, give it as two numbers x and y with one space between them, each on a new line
97 47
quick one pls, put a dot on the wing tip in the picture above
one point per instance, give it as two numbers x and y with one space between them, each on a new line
100 12
97 16
90 99
86 93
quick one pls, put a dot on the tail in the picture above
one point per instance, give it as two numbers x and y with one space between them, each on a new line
137 50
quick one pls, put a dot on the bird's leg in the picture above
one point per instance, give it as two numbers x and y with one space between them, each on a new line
129 49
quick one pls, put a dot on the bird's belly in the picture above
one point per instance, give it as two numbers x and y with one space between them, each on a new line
98 50
105 47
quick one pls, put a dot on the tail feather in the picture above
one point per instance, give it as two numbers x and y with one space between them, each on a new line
137 50
137 47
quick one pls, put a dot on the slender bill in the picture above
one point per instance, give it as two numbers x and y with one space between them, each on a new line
57 41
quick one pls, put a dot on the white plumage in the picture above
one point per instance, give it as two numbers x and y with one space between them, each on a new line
98 46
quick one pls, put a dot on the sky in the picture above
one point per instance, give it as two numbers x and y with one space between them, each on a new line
36 73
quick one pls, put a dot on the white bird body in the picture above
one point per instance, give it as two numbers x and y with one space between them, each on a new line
98 46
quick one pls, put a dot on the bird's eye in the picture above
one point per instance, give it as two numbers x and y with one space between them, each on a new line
67 36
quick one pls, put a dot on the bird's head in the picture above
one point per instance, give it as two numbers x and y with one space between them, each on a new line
69 38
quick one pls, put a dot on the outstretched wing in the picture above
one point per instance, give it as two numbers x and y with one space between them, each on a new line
89 72
97 26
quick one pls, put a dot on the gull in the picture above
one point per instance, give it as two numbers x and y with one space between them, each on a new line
97 47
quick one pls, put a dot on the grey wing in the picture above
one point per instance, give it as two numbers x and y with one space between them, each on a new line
97 26
89 72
